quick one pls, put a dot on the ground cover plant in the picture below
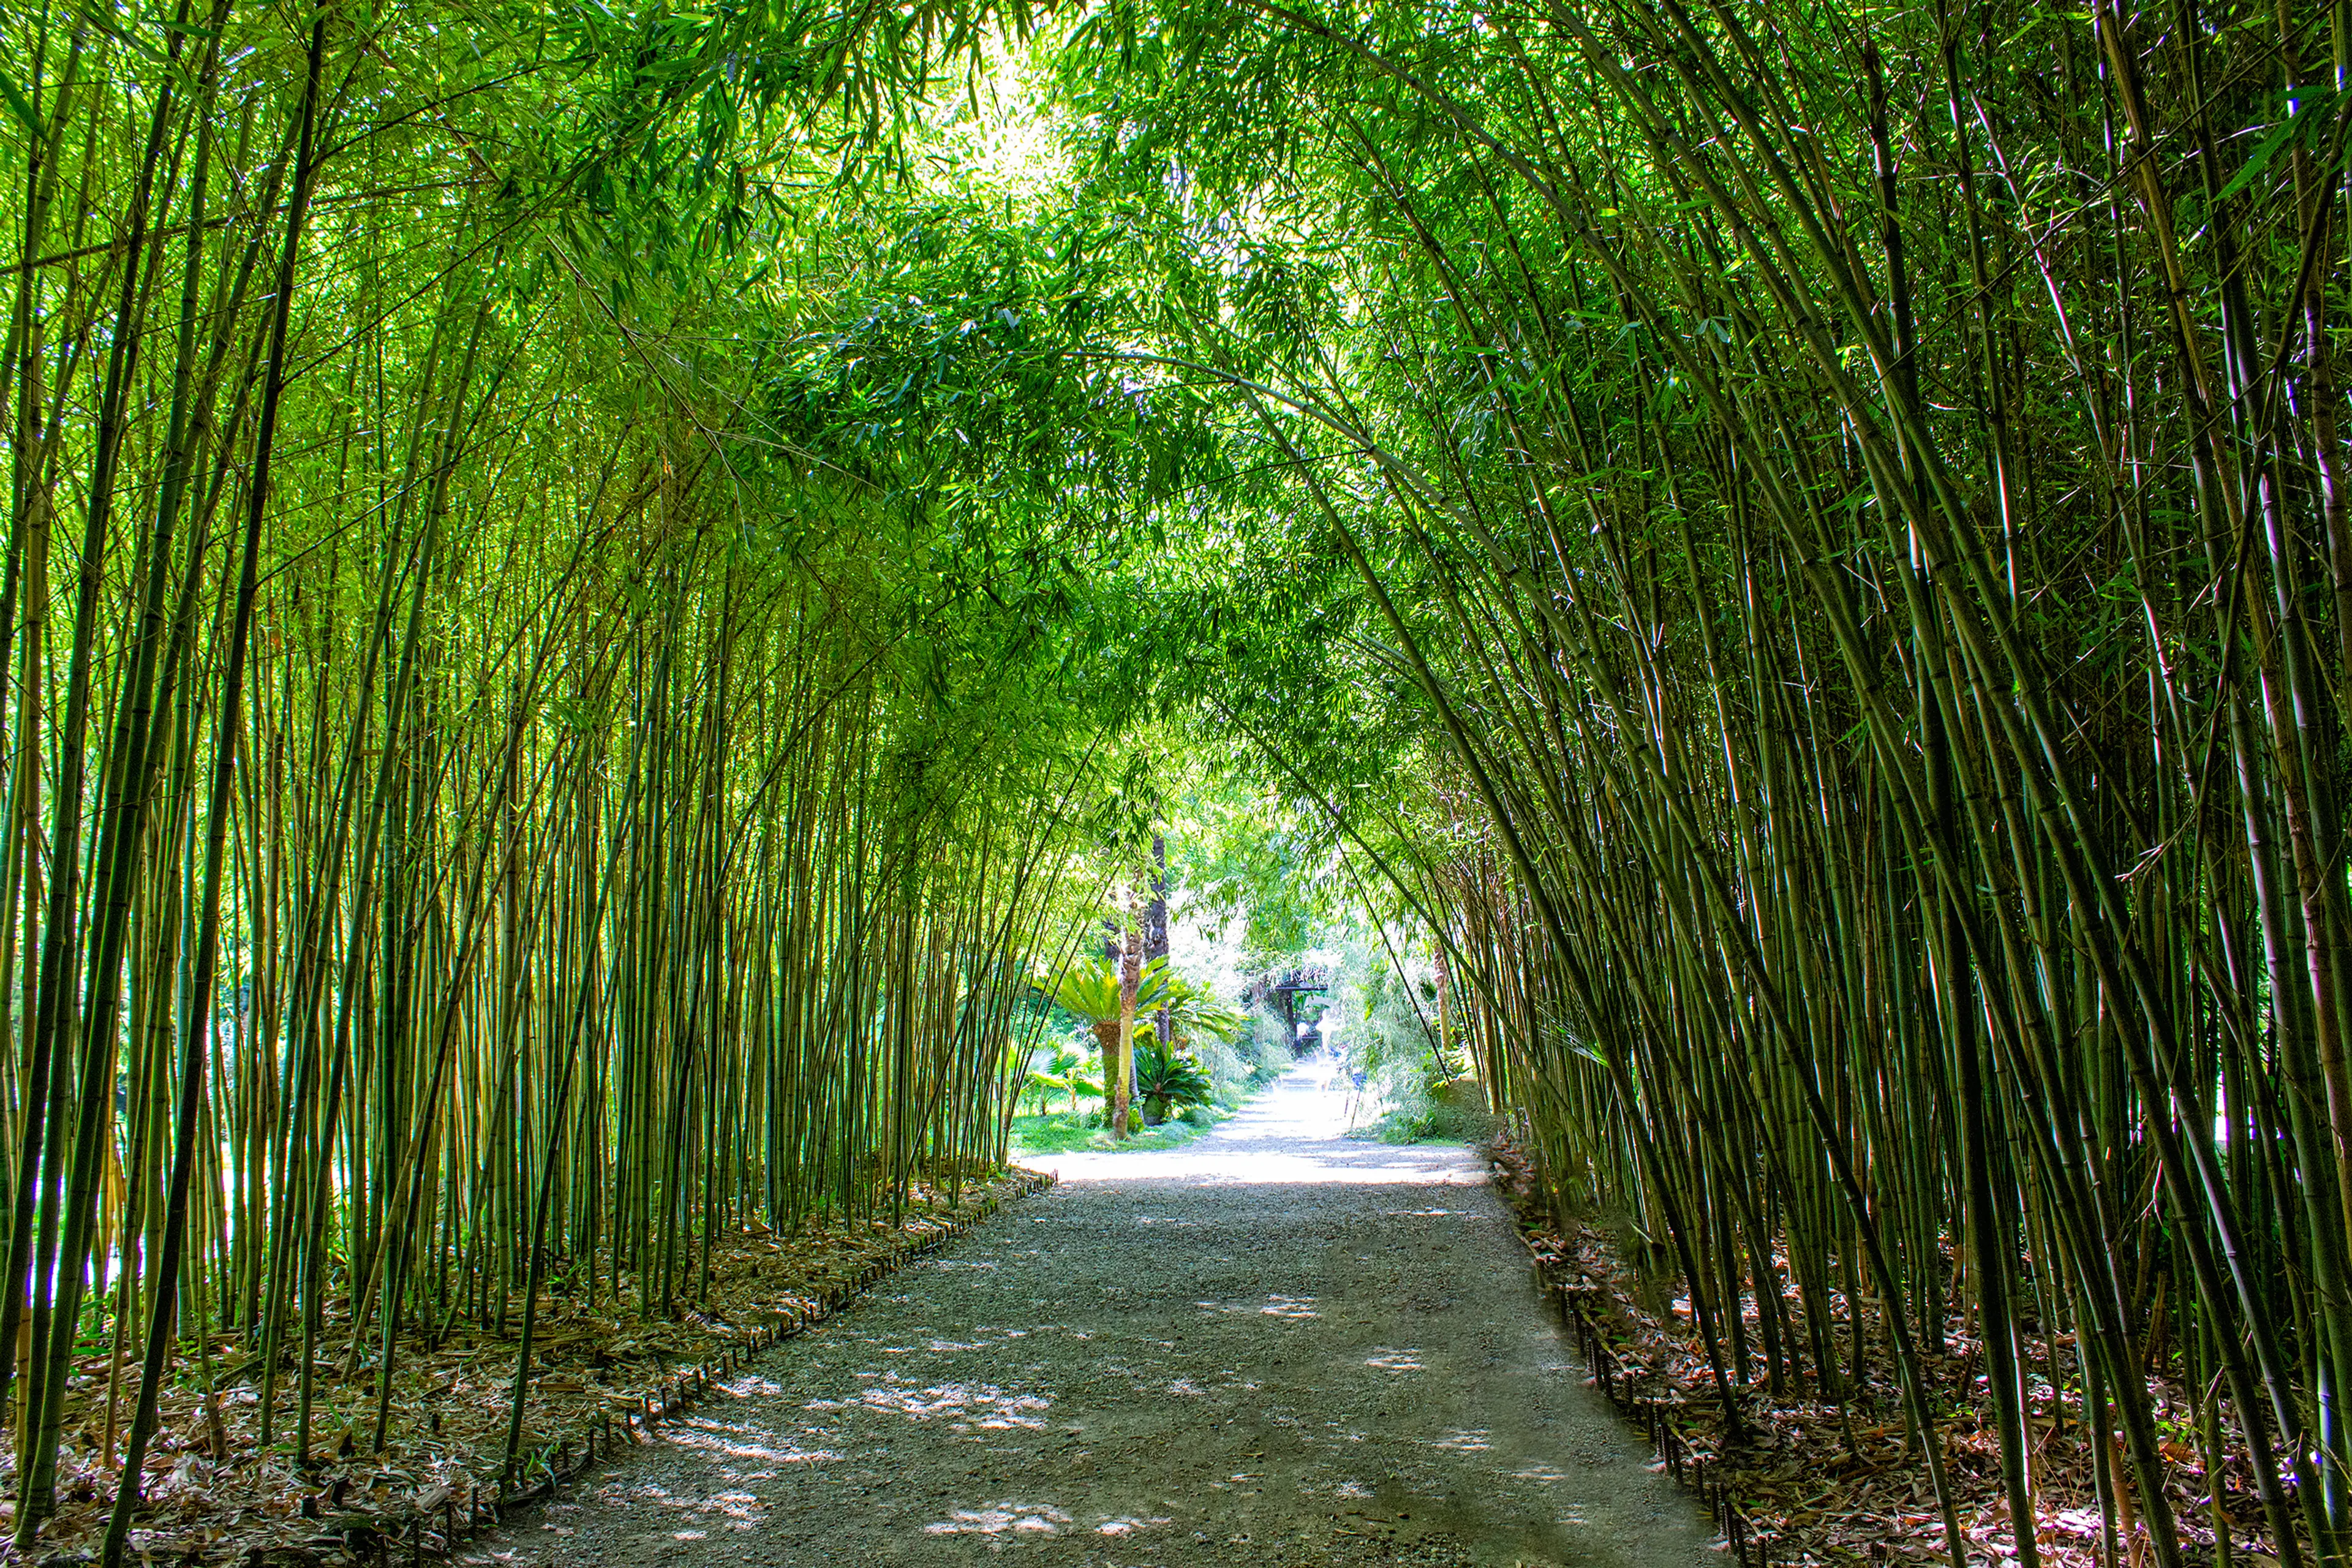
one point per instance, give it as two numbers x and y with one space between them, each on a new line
1064 1133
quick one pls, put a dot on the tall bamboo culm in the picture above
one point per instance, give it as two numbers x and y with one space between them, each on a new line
484 816
1859 496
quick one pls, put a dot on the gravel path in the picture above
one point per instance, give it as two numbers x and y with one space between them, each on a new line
1270 1346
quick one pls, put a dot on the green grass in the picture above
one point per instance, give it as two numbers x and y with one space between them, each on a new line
1059 1132
1451 1113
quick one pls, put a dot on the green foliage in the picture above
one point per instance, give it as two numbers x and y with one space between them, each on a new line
1090 989
1071 1074
1239 1066
1168 1080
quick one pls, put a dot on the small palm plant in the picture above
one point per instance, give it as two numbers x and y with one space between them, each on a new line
1167 1080
1066 1074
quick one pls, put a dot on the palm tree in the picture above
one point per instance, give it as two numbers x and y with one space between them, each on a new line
1096 991
1193 1012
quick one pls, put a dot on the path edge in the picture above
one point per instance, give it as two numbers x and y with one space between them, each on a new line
433 1529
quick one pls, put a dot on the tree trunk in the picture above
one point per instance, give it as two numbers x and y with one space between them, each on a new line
1121 1084
1155 928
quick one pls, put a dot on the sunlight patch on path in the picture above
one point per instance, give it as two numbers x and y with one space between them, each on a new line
1002 1519
1292 1134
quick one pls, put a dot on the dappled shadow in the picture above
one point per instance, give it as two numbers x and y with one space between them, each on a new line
1274 1347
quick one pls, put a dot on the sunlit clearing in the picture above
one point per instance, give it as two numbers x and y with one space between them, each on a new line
1289 1137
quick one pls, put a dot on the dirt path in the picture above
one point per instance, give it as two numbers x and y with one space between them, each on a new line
1271 1346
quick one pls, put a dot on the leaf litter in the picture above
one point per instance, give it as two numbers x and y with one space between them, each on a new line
215 1494
1829 1486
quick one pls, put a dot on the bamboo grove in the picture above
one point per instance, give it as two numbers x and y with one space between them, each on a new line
508 776
1854 499
562 608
